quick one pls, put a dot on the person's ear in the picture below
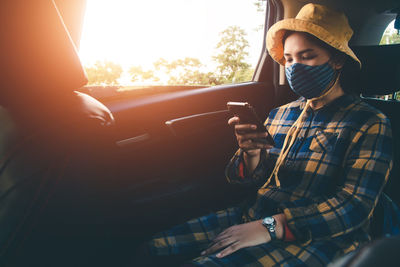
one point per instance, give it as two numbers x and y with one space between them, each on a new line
338 61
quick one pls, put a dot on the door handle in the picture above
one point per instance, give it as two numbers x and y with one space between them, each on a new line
190 124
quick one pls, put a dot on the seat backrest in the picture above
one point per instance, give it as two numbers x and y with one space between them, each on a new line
380 75
53 143
38 57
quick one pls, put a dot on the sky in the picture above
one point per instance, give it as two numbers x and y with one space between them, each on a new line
139 32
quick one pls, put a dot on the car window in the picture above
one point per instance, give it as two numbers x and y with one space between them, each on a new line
390 35
134 44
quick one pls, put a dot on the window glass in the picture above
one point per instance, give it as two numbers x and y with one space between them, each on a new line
130 44
390 35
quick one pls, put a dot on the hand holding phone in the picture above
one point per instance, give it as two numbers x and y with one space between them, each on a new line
247 115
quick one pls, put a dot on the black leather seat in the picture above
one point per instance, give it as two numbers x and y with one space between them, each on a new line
381 252
380 75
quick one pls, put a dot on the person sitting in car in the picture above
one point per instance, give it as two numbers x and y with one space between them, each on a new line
318 186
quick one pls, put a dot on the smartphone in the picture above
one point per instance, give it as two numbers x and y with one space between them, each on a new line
247 114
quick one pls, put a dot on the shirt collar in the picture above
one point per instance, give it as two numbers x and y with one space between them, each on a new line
342 102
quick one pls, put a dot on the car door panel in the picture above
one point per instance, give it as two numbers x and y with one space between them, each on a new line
200 122
173 148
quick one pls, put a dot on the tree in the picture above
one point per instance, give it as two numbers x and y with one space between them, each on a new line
186 71
243 75
390 37
138 74
231 58
260 4
104 73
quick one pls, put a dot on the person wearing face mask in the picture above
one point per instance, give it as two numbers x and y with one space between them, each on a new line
318 186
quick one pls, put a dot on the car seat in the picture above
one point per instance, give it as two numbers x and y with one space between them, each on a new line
53 144
380 75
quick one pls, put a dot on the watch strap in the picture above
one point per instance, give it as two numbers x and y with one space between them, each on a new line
272 233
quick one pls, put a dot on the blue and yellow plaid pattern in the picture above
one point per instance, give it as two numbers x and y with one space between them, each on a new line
330 183
195 235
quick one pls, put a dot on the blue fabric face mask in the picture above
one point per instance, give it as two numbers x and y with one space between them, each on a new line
309 81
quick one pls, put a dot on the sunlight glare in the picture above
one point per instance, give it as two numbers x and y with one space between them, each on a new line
133 32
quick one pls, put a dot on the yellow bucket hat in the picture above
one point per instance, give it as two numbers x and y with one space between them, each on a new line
328 25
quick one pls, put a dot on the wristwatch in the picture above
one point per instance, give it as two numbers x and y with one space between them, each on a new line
270 223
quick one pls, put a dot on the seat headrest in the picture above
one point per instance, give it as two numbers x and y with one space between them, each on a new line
37 53
380 72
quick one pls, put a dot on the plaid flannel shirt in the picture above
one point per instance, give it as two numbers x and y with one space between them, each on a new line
333 174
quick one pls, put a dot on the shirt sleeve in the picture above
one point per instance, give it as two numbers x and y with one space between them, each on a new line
236 172
366 171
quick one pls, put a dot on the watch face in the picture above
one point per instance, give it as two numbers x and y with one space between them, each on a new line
269 220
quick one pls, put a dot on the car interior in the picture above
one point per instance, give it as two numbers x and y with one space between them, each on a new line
85 182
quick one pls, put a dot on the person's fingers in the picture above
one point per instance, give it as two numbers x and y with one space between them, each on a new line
255 146
229 250
252 135
226 231
249 144
242 141
219 245
233 120
267 146
221 236
245 127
